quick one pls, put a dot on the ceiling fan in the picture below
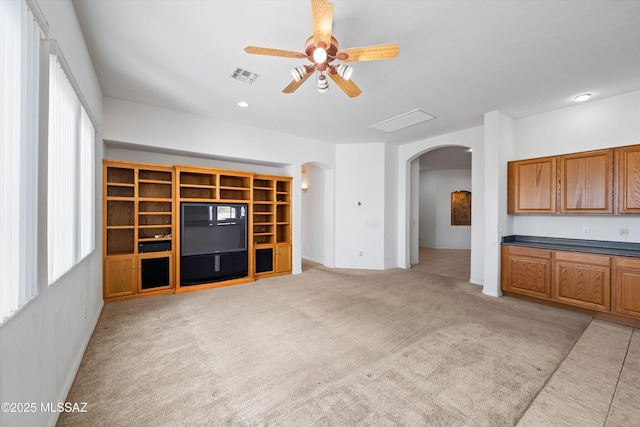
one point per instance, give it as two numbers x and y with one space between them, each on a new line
322 49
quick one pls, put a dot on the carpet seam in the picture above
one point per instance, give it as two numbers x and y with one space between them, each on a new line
554 372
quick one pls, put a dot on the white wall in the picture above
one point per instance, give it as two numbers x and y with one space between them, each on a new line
42 345
132 155
390 243
609 122
498 145
436 230
360 209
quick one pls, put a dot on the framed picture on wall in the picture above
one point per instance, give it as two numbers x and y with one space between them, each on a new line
461 207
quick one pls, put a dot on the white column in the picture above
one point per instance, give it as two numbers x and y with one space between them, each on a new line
498 148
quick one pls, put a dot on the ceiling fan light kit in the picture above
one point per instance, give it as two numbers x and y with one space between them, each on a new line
323 84
299 72
345 71
322 48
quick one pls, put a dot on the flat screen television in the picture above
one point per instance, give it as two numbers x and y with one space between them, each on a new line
213 228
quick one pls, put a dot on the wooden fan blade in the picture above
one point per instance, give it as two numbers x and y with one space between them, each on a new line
322 16
370 53
273 52
348 86
291 87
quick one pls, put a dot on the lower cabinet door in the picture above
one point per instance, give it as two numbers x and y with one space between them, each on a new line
583 280
120 274
526 271
627 287
283 258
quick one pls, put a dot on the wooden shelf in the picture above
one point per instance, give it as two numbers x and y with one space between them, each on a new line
119 199
271 225
142 201
120 184
154 239
197 186
136 196
154 181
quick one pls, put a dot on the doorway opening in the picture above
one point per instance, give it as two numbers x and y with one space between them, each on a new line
443 202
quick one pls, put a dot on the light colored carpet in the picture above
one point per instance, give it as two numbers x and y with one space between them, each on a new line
323 348
453 263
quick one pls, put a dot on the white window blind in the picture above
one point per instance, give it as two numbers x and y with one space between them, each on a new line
71 169
19 83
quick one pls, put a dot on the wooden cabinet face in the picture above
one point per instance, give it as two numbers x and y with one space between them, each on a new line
628 170
138 274
626 298
627 291
283 258
532 186
583 280
586 182
120 276
526 271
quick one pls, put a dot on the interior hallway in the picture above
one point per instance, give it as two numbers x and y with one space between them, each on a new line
453 263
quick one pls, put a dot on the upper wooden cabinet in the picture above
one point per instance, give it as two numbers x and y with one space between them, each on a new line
628 170
603 182
532 186
586 182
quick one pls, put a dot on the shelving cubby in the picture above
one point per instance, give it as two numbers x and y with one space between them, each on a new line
202 184
141 217
272 224
137 208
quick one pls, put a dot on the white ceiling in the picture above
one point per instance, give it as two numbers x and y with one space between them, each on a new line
458 60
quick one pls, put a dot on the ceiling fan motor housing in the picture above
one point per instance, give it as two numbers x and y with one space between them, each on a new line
310 48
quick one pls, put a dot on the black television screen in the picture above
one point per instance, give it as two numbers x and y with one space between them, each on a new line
208 228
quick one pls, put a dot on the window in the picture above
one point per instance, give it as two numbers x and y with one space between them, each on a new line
71 172
19 83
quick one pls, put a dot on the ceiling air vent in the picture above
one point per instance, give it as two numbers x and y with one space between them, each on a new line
403 121
244 76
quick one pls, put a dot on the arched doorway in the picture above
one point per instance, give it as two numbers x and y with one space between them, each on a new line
444 211
317 242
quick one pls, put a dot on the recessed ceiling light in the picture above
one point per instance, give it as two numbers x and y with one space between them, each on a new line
243 104
582 97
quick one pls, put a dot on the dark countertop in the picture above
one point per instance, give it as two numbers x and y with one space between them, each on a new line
575 245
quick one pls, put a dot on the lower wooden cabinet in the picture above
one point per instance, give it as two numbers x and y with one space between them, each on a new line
627 286
283 258
129 275
601 285
272 259
120 276
582 279
526 271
